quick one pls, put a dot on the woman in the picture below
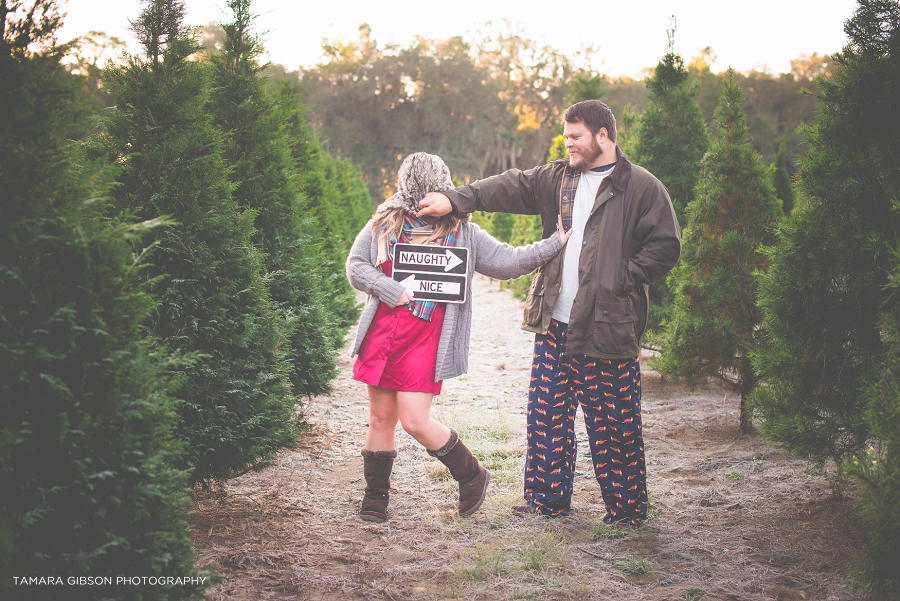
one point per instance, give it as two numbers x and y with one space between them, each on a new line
407 347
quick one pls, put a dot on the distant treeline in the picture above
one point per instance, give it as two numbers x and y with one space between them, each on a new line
496 102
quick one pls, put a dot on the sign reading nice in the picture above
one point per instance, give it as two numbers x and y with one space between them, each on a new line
432 273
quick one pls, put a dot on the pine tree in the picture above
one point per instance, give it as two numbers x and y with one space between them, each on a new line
823 293
879 469
86 414
585 85
670 141
714 321
343 199
782 179
266 181
337 199
671 136
238 407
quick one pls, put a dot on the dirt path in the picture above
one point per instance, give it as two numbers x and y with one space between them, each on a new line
732 518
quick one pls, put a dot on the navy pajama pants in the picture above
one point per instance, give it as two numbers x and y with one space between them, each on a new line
609 393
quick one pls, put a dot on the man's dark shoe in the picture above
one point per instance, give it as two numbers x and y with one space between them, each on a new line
529 509
632 523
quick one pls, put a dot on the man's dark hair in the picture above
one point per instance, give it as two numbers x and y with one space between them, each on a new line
594 114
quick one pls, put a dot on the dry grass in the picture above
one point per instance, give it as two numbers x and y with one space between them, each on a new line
732 518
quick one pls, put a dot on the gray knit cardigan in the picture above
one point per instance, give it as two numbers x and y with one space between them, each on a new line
486 256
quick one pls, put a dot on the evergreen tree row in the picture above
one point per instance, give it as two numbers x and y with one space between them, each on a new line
87 459
249 276
237 408
169 289
267 183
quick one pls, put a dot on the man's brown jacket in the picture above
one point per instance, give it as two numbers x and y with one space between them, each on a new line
631 239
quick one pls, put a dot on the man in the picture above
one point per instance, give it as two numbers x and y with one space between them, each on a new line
587 307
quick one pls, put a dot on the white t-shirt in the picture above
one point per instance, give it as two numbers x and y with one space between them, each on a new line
585 194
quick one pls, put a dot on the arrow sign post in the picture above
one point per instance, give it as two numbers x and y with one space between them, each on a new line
432 273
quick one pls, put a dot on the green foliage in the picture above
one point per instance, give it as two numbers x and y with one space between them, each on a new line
526 229
85 59
671 138
782 180
557 149
777 105
267 182
670 141
494 102
86 414
627 124
585 85
870 70
878 470
773 104
823 293
238 410
602 531
636 567
337 199
502 226
345 200
482 219
693 593
714 320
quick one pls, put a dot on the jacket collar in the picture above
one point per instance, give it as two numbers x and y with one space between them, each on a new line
622 171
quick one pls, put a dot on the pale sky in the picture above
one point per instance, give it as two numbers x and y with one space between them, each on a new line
630 35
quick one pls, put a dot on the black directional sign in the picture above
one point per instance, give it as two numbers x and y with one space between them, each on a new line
432 273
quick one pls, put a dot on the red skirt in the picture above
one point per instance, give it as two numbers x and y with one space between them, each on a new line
400 350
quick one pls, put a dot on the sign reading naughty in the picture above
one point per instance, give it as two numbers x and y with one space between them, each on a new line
432 273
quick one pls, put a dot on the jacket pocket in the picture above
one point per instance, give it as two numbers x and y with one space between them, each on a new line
534 300
614 328
626 284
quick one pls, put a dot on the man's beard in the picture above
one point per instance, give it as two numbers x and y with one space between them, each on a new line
586 157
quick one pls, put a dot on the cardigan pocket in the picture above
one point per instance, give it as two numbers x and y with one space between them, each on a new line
614 327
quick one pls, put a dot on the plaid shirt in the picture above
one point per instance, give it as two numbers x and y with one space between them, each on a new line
567 195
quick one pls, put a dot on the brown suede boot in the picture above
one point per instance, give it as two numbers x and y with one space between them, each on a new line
473 479
377 466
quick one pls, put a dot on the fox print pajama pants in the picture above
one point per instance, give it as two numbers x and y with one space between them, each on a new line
609 393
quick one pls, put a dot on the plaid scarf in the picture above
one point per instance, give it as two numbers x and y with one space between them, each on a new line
414 227
567 195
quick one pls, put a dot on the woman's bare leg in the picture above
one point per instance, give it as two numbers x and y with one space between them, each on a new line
413 410
383 418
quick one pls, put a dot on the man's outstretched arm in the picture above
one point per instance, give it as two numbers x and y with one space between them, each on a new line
514 191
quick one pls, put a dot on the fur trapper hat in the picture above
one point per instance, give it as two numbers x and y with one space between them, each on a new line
419 174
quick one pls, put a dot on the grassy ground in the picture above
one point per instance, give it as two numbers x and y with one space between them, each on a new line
731 517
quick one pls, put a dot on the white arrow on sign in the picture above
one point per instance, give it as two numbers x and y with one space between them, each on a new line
453 261
413 285
418 258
